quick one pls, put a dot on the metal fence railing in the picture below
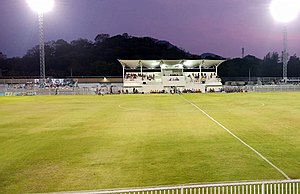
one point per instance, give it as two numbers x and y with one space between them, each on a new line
46 91
258 187
275 88
11 90
262 88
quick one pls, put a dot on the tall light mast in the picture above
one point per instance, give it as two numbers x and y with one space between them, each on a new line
41 7
42 48
285 55
284 11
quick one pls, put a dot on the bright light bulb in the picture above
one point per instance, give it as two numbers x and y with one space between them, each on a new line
285 10
41 6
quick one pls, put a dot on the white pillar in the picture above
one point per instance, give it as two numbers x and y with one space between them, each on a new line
141 66
123 73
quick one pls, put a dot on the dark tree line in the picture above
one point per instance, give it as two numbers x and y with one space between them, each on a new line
83 57
269 66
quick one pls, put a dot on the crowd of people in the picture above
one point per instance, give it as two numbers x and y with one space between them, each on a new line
233 89
193 77
175 91
56 83
36 84
26 86
203 77
110 89
191 91
134 76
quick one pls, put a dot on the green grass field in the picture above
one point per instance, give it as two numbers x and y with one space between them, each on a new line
65 143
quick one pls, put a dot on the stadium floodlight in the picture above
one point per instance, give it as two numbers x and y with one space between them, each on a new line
285 11
41 7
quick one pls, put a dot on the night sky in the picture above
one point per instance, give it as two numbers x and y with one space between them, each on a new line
219 26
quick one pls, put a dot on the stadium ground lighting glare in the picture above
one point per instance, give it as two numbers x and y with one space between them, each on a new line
41 7
285 11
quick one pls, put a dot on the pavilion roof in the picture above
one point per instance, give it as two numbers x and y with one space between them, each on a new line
206 63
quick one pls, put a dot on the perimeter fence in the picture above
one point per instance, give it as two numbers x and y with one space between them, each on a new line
7 91
81 89
262 88
275 88
259 187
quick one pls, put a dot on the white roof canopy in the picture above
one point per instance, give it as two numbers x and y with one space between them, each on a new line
206 63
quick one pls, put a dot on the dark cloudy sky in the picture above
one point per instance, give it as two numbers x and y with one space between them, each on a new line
219 26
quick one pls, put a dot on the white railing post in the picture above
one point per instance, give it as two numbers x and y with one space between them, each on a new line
258 187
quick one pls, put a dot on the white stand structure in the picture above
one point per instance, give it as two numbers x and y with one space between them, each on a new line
155 76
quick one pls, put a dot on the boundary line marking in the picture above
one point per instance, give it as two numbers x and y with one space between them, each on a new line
239 139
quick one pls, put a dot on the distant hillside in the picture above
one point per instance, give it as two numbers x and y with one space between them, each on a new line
130 47
83 57
211 56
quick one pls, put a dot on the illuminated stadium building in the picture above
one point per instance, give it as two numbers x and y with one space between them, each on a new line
171 75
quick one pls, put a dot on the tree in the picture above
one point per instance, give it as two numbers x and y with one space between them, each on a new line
101 37
2 56
294 66
240 67
82 57
2 63
271 65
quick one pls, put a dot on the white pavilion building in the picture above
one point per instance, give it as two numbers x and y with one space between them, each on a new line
171 75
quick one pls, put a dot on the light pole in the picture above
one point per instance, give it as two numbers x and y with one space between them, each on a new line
41 7
285 54
284 11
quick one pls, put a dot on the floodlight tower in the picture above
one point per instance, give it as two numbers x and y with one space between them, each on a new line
284 11
41 7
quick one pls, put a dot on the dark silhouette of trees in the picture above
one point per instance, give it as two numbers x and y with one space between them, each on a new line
83 57
240 67
294 66
2 56
2 63
271 65
101 37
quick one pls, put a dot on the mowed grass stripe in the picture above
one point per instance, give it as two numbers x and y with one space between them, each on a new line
267 121
239 139
61 143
